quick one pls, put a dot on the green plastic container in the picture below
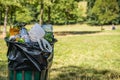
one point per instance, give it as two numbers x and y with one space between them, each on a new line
28 75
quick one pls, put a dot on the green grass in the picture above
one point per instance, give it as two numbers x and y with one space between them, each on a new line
83 53
94 56
87 54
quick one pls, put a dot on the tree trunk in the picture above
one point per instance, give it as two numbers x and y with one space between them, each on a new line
5 22
41 13
49 14
0 17
11 16
14 16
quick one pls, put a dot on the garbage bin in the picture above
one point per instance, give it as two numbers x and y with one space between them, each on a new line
28 75
27 62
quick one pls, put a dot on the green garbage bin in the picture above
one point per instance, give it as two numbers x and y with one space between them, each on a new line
28 75
28 61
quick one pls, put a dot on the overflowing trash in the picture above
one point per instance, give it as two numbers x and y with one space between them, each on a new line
30 50
41 34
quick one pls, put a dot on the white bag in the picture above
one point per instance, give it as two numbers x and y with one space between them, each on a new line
37 35
36 32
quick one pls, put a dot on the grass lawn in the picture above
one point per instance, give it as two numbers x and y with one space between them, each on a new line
81 53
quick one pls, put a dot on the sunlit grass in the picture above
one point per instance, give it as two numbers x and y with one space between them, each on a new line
3 50
87 57
89 52
77 49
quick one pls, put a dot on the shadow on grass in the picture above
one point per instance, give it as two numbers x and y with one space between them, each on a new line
79 73
64 33
3 70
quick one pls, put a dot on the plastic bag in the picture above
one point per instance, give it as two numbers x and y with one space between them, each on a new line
24 34
37 35
36 32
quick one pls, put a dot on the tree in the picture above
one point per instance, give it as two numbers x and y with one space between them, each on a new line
42 8
55 11
46 6
65 11
41 12
23 15
105 11
90 4
6 6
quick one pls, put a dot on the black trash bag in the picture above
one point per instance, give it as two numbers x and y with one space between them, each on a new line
24 56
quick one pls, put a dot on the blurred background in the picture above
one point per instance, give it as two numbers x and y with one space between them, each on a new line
88 34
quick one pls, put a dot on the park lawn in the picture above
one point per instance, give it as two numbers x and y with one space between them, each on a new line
88 56
91 56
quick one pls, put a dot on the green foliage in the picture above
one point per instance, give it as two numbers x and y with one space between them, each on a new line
117 21
63 11
12 5
105 11
23 15
90 4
